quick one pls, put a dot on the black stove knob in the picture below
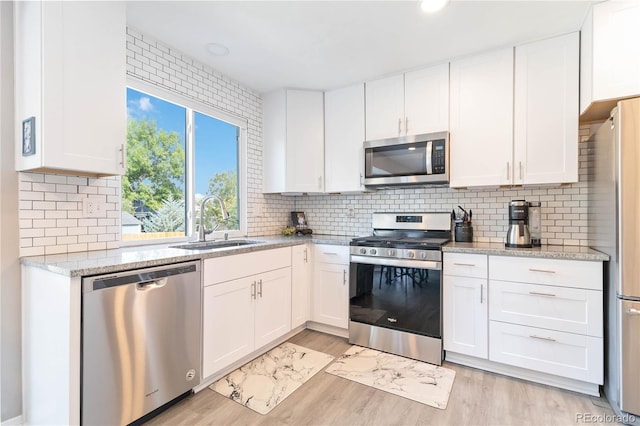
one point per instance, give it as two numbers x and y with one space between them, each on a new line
410 254
423 255
392 252
373 251
363 251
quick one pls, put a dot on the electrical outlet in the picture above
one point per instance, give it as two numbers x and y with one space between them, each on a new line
351 211
93 207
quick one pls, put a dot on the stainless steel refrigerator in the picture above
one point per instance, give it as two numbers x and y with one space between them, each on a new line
614 228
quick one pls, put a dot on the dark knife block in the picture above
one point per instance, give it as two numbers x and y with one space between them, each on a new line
463 232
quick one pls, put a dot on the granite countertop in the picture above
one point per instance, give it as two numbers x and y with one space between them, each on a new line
548 252
126 258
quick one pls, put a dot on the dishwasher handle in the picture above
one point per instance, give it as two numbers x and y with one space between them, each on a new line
150 285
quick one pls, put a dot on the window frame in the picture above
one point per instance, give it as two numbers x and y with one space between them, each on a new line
192 105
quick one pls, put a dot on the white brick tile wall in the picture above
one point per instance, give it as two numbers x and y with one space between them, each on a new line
51 207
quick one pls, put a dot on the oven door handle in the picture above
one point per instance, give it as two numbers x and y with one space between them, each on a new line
401 263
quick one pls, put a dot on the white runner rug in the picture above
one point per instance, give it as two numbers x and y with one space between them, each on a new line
415 380
266 381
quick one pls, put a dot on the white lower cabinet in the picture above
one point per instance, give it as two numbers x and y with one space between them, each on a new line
539 319
243 313
300 285
546 315
465 304
331 285
569 355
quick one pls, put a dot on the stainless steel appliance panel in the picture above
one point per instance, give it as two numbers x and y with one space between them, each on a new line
422 348
629 355
140 341
407 160
627 138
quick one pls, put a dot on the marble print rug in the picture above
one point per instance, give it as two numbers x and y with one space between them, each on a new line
266 381
415 380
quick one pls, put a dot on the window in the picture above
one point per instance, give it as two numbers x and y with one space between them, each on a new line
179 152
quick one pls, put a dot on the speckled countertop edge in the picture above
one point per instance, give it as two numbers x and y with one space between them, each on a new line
547 252
127 258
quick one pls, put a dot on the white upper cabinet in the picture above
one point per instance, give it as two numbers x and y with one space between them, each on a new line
481 127
408 104
70 76
546 111
610 57
293 141
426 100
344 136
516 128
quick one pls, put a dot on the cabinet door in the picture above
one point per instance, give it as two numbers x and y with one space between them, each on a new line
331 294
305 141
426 100
300 285
546 111
482 120
228 323
385 108
80 63
616 51
465 320
344 135
273 306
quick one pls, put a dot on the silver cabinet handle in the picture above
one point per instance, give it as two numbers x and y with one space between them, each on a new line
464 264
260 288
330 253
542 270
122 155
399 125
361 180
520 170
550 339
481 292
508 171
344 277
406 125
253 290
536 293
319 182
306 258
632 311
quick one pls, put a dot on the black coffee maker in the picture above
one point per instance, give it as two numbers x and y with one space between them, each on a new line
518 234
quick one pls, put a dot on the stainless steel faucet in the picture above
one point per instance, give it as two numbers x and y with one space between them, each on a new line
225 215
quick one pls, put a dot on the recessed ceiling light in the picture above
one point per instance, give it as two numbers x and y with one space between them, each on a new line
217 49
431 6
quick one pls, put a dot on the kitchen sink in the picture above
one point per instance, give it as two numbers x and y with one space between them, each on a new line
209 245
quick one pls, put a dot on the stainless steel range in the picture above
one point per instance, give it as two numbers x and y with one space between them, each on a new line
396 285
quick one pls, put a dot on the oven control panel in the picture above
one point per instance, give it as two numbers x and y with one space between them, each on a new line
393 253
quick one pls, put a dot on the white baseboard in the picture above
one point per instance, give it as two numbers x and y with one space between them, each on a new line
329 329
16 421
522 373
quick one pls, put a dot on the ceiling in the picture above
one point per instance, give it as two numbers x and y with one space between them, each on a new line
330 44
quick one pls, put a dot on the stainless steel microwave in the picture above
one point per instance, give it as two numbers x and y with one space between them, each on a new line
417 159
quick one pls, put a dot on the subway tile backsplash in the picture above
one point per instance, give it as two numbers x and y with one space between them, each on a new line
51 217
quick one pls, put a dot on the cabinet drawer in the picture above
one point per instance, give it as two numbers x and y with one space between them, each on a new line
327 253
566 273
563 354
465 265
557 308
227 268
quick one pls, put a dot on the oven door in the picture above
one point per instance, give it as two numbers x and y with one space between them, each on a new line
398 294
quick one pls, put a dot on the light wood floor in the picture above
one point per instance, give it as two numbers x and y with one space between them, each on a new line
477 398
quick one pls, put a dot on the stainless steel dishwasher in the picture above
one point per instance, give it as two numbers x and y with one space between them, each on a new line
140 341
